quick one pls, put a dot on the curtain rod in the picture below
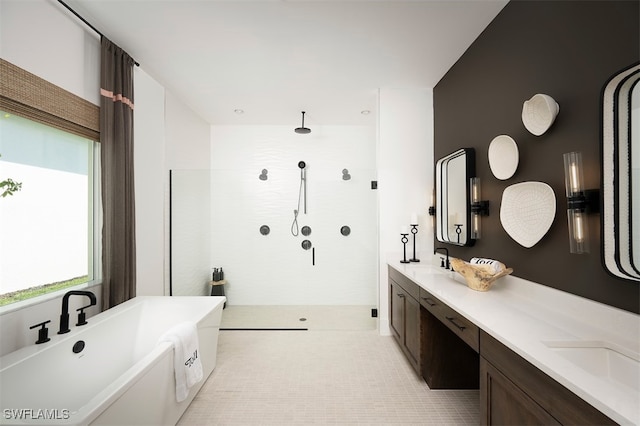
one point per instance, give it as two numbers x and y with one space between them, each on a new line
87 23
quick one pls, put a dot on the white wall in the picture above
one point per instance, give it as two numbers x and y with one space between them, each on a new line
42 38
150 177
405 174
275 269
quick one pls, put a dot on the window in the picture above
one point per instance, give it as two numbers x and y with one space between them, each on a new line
47 237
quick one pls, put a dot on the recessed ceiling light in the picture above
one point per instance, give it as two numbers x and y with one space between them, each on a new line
365 112
238 111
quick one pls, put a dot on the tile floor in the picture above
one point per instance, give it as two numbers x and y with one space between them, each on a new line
339 371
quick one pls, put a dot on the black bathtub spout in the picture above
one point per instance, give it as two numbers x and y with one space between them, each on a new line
446 250
64 316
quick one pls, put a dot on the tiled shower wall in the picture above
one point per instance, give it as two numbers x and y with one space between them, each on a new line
274 269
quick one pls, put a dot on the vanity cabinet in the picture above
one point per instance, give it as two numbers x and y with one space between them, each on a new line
458 324
451 352
513 391
449 346
404 309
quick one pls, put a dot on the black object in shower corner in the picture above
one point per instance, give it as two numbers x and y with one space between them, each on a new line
218 274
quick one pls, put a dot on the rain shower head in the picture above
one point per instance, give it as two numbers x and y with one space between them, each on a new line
302 130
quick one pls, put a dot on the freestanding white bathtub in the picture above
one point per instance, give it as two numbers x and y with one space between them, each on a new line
121 377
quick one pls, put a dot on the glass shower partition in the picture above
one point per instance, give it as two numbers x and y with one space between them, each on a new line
190 230
243 221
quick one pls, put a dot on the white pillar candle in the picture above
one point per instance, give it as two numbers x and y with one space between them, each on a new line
414 219
404 230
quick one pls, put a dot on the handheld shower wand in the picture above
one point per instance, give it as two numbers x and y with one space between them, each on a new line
303 182
303 189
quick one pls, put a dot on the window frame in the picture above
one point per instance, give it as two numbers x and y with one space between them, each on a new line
31 97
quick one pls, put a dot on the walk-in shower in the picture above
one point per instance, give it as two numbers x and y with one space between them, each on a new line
230 217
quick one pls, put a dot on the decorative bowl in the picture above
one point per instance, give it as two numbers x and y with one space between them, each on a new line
479 277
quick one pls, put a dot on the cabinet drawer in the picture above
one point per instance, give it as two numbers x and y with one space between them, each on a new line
457 323
409 286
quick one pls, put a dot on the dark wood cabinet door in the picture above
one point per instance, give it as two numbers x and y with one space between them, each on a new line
412 331
397 301
503 403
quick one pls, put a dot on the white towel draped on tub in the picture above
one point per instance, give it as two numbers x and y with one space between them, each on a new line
187 364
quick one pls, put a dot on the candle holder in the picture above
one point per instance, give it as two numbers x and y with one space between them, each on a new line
404 240
414 231
458 230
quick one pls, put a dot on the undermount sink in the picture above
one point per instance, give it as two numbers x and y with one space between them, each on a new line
601 359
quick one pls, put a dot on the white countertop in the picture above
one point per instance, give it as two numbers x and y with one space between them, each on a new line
522 315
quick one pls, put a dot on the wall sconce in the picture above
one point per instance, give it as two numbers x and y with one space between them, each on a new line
478 208
432 209
580 202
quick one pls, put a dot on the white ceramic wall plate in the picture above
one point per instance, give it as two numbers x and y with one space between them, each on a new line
539 113
527 211
503 157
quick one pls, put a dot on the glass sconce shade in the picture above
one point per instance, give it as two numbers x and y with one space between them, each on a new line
478 208
576 203
475 226
578 231
573 179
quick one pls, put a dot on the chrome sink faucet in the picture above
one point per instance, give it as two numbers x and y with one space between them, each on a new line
446 265
64 316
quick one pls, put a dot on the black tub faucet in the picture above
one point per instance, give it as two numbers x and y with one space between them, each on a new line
446 250
64 316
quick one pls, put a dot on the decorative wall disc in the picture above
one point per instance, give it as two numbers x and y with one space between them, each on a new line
503 157
527 211
539 113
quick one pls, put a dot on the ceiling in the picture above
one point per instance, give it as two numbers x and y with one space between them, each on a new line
274 58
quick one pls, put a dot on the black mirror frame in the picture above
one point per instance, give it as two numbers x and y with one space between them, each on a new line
470 171
616 215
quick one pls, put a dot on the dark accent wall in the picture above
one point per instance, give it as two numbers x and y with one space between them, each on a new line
568 50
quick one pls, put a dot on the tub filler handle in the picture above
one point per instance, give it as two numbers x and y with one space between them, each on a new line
64 316
82 316
43 333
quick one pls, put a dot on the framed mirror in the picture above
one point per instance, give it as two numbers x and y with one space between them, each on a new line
453 212
621 174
